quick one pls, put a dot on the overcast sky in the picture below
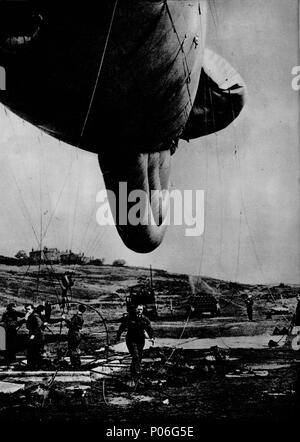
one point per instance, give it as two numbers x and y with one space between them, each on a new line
252 196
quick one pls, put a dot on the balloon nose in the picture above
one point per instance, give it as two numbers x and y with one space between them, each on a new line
138 193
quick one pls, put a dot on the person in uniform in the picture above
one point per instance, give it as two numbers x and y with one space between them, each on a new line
45 315
249 307
75 325
67 284
297 313
36 338
12 321
136 325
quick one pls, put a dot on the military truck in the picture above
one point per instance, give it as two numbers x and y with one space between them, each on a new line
202 304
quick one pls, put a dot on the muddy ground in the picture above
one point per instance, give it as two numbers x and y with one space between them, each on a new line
180 387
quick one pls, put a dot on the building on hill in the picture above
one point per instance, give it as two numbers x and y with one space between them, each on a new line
68 257
55 256
51 255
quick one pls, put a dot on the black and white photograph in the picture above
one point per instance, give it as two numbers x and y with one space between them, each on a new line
150 215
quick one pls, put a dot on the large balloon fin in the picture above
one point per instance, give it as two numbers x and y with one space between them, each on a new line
219 100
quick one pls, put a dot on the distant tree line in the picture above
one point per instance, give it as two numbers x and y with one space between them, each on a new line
21 258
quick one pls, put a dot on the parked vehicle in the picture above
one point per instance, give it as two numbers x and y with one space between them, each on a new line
203 304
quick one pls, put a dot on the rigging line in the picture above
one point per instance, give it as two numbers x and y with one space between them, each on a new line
205 209
238 162
184 59
239 178
254 247
94 239
65 352
242 206
86 230
91 242
175 348
90 107
205 200
45 177
97 242
41 209
75 209
203 36
18 222
219 175
20 151
215 25
38 277
239 248
165 73
221 182
52 276
55 274
23 278
214 15
25 210
47 188
99 72
67 176
147 43
233 303
203 241
41 230
239 175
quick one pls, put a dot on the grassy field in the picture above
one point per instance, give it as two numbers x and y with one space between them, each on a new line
202 393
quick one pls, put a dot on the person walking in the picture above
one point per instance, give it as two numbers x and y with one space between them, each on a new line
136 325
74 336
